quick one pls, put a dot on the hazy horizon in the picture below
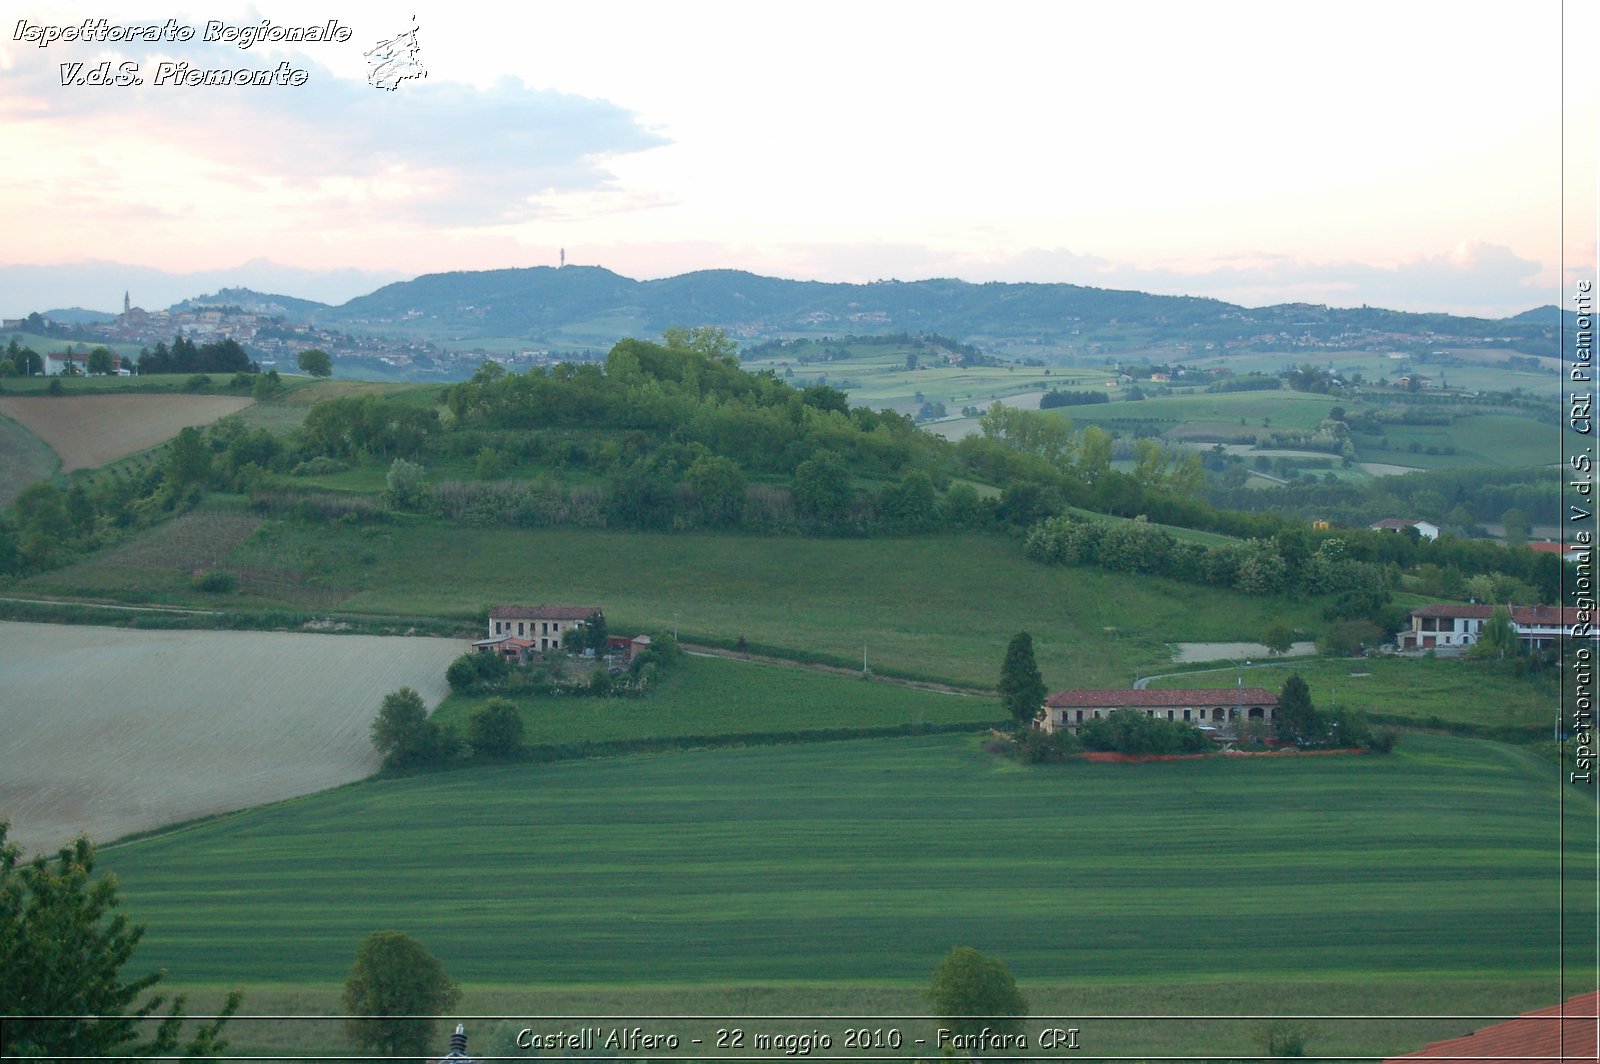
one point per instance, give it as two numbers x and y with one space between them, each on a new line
1296 157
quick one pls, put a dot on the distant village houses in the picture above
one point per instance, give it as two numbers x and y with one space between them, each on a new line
1425 529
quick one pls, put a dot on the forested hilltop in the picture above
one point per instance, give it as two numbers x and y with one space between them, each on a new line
676 437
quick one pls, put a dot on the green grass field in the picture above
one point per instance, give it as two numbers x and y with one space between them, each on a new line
1290 411
719 697
941 607
862 863
1457 690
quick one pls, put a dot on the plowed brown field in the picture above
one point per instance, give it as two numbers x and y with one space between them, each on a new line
111 730
91 430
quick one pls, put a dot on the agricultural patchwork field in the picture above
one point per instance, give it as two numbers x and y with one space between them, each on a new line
110 731
91 430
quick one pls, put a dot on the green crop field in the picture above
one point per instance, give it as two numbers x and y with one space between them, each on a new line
862 863
718 697
1262 411
1418 690
1482 440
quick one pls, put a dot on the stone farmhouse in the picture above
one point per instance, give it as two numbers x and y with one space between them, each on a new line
1457 627
1216 707
521 631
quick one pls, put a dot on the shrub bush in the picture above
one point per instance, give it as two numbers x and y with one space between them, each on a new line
215 581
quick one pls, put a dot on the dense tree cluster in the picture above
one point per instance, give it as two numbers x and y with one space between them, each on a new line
1132 731
1056 398
185 356
1286 563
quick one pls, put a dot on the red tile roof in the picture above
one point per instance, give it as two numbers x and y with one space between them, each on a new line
1173 696
1560 1032
542 613
1540 615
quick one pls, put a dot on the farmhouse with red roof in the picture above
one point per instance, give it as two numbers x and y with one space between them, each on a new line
1459 626
1215 706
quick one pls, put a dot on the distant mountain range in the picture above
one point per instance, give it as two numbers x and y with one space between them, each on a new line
100 285
588 305
543 302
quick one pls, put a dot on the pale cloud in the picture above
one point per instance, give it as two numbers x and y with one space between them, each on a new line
433 153
838 141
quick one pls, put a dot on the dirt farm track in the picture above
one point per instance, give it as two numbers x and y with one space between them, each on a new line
110 730
91 430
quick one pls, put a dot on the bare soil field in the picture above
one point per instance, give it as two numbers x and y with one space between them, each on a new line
91 430
110 731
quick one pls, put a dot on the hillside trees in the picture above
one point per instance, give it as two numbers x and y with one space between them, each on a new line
822 492
185 356
62 950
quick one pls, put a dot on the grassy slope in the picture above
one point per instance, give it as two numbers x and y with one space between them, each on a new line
863 862
713 696
938 606
24 458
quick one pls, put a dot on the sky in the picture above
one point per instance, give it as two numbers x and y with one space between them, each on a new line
1420 155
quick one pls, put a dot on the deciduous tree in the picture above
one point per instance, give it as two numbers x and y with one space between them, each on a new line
393 980
1278 637
402 732
316 362
970 991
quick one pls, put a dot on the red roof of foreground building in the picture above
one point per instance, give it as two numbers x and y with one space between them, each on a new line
1172 696
1558 1033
